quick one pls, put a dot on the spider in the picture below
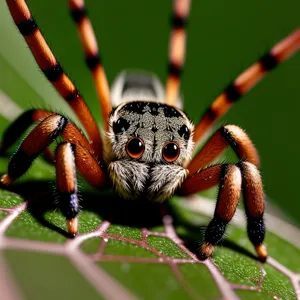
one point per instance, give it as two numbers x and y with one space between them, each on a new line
146 148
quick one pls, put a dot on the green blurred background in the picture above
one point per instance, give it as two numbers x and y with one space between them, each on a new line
224 38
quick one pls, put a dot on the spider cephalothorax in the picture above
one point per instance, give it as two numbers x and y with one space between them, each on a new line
150 142
148 148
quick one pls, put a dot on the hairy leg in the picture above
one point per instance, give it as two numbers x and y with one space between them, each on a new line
177 49
229 135
92 56
38 140
53 70
253 195
69 156
67 185
19 126
231 180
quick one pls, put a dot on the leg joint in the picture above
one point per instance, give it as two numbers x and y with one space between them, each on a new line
227 135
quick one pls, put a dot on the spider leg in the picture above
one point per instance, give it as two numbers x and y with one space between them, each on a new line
202 180
253 195
53 70
88 166
92 57
244 82
67 157
67 185
19 126
231 179
176 49
229 135
40 138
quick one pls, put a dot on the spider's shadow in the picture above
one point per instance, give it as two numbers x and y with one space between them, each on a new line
193 235
41 199
109 206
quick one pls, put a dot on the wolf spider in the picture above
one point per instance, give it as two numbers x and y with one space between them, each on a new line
146 147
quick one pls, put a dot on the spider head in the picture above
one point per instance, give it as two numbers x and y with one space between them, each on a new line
151 143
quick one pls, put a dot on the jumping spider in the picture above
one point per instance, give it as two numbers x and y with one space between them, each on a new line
147 145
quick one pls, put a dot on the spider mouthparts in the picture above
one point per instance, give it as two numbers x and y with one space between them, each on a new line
72 226
6 179
262 252
206 251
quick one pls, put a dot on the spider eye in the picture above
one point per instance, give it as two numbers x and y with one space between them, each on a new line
135 147
184 132
170 152
121 125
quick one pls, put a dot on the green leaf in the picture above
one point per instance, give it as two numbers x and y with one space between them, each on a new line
128 249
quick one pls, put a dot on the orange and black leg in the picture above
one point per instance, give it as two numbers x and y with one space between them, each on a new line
67 157
177 49
231 179
20 125
244 82
92 56
229 135
76 152
253 195
67 185
53 70
38 140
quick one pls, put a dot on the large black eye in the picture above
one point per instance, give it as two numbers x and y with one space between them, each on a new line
120 125
135 147
170 152
184 132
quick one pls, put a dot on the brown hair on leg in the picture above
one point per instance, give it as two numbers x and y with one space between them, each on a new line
229 135
53 70
67 186
38 140
92 56
15 130
228 198
255 205
177 49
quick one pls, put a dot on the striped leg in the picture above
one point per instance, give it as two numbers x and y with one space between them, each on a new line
243 83
231 179
67 186
67 157
177 49
19 126
253 195
90 48
38 140
53 70
229 135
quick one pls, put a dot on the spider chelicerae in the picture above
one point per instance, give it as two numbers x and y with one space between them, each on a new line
146 147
